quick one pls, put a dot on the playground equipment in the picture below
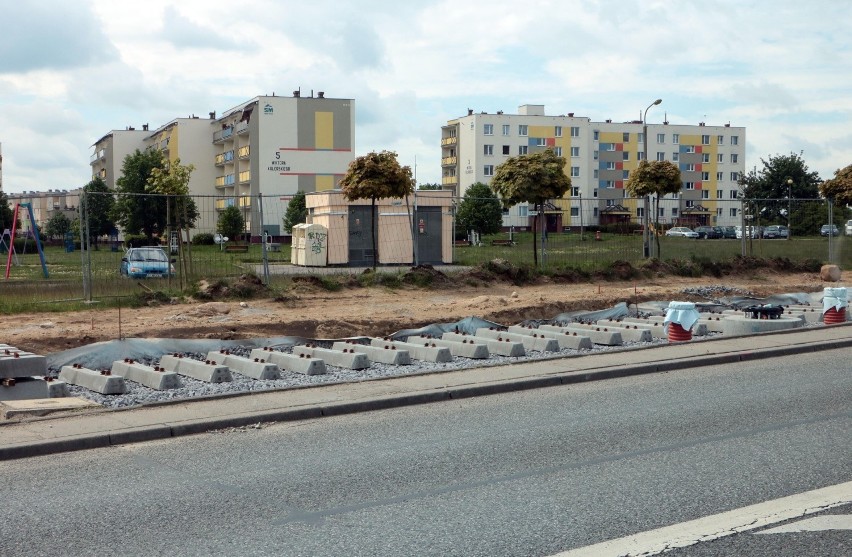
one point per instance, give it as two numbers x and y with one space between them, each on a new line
34 231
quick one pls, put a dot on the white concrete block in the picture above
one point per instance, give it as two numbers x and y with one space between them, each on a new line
17 363
202 371
437 354
254 367
505 347
390 355
26 388
102 382
530 342
152 377
598 334
573 341
345 358
291 362
465 348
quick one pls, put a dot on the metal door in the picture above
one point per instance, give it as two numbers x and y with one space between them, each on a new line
360 242
427 229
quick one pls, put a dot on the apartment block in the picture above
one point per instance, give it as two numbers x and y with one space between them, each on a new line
600 157
109 152
278 146
45 204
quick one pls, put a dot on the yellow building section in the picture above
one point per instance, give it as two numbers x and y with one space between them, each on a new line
325 182
173 144
611 137
324 130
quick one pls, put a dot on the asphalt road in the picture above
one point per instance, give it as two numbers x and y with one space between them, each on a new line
528 473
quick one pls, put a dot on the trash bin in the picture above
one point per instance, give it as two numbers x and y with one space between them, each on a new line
834 303
680 318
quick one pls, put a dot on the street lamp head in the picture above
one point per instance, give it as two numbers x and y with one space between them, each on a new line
789 181
658 101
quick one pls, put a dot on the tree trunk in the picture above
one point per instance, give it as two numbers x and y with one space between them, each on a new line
373 229
535 241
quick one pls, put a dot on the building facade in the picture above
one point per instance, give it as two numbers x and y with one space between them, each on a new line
109 152
600 157
45 204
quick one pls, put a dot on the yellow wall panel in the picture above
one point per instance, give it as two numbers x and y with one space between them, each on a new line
325 182
324 126
611 137
540 131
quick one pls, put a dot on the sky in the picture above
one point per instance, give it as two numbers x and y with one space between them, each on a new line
73 70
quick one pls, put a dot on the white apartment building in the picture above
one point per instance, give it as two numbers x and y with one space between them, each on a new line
109 152
600 156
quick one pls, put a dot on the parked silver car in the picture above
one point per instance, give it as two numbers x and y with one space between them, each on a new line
682 231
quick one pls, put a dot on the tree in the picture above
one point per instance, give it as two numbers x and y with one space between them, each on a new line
58 225
376 176
533 178
231 223
839 188
657 178
480 210
136 210
429 187
297 212
97 203
6 213
768 189
181 211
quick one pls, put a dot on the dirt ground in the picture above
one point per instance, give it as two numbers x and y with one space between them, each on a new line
308 310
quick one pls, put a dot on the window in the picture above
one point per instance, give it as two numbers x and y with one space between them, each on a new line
735 140
595 135
661 138
541 142
506 150
719 194
661 211
690 149
610 146
720 176
594 211
734 158
625 137
609 166
610 202
595 174
523 210
522 129
557 151
595 155
575 190
575 151
674 211
640 211
488 170
595 192
705 194
735 194
720 140
488 150
625 155
488 129
720 158
609 184
557 131
661 156
733 212
522 149
575 211
676 138
640 156
625 174
675 157
575 132
640 137
506 129
705 157
690 168
689 203
718 211
689 185
705 176
705 140
735 176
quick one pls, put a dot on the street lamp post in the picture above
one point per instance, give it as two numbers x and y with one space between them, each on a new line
646 233
789 206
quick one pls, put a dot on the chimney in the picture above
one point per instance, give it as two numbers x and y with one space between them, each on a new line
296 93
320 94
728 125
213 115
145 127
470 112
570 114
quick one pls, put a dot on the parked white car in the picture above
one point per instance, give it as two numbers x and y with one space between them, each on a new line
682 231
849 228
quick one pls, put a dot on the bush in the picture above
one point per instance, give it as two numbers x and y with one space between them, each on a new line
135 240
203 239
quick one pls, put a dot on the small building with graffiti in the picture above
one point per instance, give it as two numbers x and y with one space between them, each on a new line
418 229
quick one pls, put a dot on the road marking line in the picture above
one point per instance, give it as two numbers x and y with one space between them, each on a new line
814 524
719 525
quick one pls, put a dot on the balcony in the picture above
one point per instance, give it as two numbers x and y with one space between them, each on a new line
242 128
449 161
450 180
244 152
223 135
245 202
449 141
224 202
245 176
224 158
100 155
225 181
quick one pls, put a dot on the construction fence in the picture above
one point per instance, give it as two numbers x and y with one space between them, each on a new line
579 233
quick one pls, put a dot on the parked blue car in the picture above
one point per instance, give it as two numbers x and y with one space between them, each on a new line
146 262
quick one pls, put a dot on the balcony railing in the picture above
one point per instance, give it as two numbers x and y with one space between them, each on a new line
449 141
223 134
449 161
242 127
98 155
245 176
224 202
245 202
226 180
450 180
244 151
223 158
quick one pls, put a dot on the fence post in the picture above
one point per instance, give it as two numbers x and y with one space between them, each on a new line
263 241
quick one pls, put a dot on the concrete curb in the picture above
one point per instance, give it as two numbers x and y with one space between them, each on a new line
551 379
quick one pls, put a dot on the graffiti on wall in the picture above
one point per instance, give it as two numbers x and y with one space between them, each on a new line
317 240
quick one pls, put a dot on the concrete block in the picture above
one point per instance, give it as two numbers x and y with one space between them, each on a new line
504 347
202 371
254 367
530 342
598 334
345 358
573 341
291 362
43 406
436 354
17 363
99 381
465 348
25 388
736 325
390 355
810 315
155 378
654 324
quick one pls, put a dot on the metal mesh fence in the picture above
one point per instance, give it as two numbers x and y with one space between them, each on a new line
584 234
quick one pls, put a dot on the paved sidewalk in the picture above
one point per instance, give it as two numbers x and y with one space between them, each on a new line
101 428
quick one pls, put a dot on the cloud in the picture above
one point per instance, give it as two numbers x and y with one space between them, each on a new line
183 33
51 35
